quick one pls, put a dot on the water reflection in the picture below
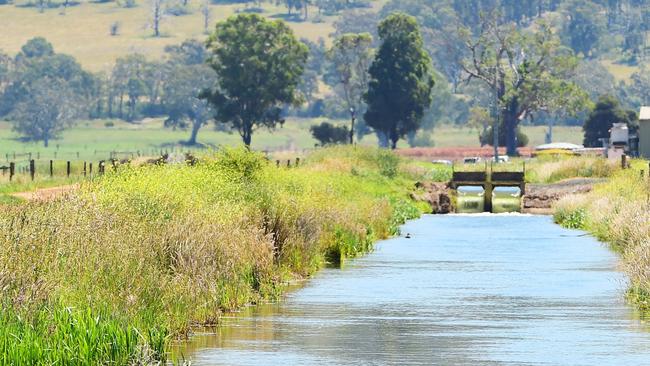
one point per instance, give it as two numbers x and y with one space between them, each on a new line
465 290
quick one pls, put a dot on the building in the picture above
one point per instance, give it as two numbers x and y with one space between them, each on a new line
644 132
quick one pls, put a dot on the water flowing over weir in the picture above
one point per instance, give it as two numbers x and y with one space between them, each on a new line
463 290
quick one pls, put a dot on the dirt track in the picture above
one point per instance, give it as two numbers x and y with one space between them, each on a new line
540 198
46 194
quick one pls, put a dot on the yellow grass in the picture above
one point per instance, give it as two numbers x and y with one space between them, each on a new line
620 72
83 31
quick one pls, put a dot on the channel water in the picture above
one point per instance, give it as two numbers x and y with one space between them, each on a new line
462 290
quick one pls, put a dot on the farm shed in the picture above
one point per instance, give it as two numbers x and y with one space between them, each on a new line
644 132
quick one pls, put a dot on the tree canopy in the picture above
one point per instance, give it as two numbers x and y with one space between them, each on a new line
606 112
259 64
400 83
529 72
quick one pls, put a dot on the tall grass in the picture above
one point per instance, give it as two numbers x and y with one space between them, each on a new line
617 212
107 274
554 169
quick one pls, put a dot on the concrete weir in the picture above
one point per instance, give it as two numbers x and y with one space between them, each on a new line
489 181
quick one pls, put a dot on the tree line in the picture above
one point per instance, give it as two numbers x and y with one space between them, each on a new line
253 72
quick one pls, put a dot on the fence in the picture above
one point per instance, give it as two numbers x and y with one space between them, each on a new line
88 168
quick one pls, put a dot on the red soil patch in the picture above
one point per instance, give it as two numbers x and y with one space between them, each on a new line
456 153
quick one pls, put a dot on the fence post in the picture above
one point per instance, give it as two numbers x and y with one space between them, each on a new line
38 155
297 162
51 168
277 163
67 168
289 163
84 169
12 170
101 167
32 169
90 166
623 161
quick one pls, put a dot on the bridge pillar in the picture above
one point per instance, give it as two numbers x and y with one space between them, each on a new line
488 189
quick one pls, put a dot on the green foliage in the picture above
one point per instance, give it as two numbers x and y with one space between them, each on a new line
487 138
75 337
583 26
327 134
528 71
571 219
47 92
203 239
240 162
259 64
605 113
400 79
351 56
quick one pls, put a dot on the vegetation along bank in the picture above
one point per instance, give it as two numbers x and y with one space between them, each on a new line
617 211
117 269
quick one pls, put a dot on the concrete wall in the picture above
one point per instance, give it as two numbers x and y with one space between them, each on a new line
644 138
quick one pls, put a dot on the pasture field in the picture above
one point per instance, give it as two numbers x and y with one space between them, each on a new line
93 140
83 31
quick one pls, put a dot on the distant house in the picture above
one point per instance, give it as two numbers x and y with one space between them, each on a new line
644 132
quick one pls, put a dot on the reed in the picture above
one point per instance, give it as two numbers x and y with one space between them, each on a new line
618 212
111 272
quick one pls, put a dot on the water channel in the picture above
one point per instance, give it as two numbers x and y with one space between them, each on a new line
463 290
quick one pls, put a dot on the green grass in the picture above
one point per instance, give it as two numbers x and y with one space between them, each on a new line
92 141
138 256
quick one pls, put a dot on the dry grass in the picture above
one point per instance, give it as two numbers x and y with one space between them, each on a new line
161 248
618 212
83 31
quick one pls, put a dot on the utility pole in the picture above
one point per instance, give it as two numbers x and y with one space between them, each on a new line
353 116
495 128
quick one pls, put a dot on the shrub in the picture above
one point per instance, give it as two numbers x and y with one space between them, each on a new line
328 134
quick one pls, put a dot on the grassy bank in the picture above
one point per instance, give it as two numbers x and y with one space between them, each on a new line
618 212
137 257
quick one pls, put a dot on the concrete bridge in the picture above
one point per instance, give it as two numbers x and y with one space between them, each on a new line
489 180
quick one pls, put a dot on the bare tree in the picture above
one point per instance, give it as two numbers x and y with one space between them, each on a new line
157 13
205 11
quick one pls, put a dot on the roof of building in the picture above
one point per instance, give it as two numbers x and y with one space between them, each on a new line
558 146
644 115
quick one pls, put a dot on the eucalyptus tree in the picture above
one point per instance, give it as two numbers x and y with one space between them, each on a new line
47 108
351 56
528 72
400 83
259 64
186 77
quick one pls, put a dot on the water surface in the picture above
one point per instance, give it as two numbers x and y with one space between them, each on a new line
464 290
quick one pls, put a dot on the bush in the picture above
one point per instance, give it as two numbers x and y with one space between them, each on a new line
328 134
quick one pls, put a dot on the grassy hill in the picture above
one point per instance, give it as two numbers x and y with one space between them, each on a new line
83 31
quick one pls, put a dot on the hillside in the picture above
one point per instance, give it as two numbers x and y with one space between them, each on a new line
83 31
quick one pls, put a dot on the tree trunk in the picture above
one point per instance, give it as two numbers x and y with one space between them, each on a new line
510 123
195 131
246 133
382 138
46 141
121 110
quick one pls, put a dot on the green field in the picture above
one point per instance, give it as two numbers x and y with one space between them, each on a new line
94 141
